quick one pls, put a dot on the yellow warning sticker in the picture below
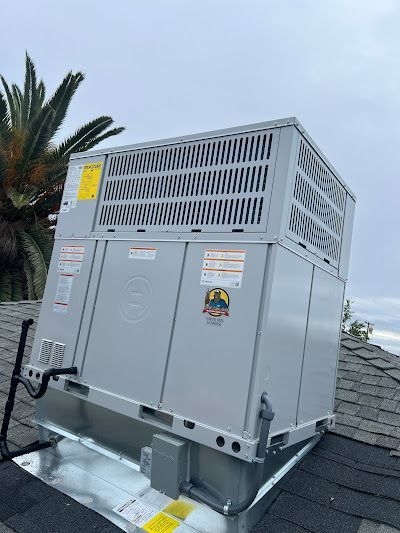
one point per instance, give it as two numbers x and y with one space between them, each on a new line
89 181
161 523
180 509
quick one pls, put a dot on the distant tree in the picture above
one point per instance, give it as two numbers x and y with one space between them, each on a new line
355 328
32 173
347 313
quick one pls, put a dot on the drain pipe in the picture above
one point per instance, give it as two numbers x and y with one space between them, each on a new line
227 508
16 378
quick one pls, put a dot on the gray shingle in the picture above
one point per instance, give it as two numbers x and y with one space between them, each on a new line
348 420
374 390
369 413
348 396
394 373
347 408
344 384
390 405
389 418
379 428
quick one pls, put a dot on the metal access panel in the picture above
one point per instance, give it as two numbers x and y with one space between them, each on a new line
210 363
128 345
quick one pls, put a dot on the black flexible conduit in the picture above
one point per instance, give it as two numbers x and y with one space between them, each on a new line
17 378
227 508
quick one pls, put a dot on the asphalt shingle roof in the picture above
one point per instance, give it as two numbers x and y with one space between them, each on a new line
350 482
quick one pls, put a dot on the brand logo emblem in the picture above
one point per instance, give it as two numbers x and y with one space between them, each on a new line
216 302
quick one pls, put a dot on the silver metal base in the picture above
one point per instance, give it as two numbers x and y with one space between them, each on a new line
103 481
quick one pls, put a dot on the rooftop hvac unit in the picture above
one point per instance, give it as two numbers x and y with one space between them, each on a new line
196 285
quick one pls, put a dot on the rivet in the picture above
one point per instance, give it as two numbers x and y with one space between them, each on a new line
229 429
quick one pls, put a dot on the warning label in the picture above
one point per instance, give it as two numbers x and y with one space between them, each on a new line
89 181
146 517
63 293
223 268
161 523
70 260
71 188
142 253
136 512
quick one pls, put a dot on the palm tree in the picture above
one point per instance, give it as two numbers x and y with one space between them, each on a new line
32 174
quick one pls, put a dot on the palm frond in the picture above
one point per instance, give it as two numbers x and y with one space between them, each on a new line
41 94
4 121
30 287
39 135
78 141
18 97
17 286
5 286
10 100
62 97
30 91
21 199
37 252
99 138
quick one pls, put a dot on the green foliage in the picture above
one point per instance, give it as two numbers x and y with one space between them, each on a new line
32 174
356 328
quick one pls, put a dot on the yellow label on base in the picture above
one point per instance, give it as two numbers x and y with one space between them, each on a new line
89 181
161 523
180 509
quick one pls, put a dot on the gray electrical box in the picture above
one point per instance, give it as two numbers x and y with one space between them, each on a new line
190 275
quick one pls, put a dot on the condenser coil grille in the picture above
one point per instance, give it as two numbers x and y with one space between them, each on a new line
215 185
52 353
317 206
57 355
45 351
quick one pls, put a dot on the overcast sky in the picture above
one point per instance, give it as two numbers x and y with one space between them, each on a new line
173 67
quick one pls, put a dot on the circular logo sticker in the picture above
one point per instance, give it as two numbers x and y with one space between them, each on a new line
216 302
136 299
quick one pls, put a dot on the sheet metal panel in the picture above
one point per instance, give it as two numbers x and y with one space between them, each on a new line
280 352
132 321
61 322
210 363
321 347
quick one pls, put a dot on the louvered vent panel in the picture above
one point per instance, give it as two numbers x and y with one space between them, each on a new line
318 205
45 351
211 185
57 355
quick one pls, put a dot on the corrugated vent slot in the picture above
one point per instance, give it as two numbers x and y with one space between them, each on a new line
317 209
57 355
45 351
214 185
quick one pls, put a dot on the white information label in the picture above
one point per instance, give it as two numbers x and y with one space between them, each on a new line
63 293
142 253
71 258
135 512
223 268
71 188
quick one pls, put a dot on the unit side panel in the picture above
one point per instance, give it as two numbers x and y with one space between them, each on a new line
80 196
281 348
211 357
63 302
347 235
315 214
132 322
321 347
